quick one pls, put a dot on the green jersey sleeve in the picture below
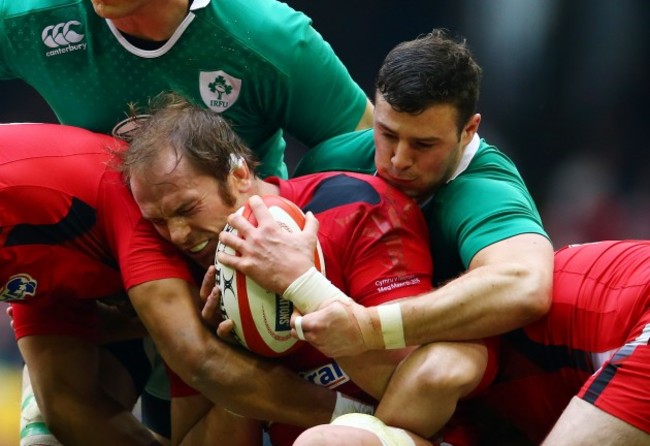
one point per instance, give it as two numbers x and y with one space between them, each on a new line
487 203
320 107
353 151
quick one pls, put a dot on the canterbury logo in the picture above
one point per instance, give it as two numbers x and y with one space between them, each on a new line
63 34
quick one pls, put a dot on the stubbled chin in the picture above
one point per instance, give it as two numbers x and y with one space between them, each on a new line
400 186
205 258
207 255
411 192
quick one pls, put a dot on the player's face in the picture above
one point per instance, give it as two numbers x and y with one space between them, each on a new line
184 205
418 153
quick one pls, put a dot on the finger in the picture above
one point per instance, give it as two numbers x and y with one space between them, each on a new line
232 241
294 314
260 210
225 328
211 311
298 326
239 223
208 283
225 331
230 260
311 225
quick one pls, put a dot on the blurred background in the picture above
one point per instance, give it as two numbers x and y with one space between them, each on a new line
565 94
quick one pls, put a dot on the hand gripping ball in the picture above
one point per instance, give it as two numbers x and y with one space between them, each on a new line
261 318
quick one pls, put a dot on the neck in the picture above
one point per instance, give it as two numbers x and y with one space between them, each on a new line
157 20
264 188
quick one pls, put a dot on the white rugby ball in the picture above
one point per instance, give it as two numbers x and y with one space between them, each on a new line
261 318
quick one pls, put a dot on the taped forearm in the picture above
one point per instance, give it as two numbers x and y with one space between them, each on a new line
312 291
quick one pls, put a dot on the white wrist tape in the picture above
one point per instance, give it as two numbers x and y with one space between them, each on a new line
392 328
298 326
389 436
311 290
345 405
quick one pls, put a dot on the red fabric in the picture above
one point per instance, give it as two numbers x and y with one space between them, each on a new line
70 230
601 297
375 249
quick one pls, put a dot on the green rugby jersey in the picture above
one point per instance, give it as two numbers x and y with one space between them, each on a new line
258 62
486 200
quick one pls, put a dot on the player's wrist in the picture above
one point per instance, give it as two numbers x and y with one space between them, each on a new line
391 325
311 291
370 328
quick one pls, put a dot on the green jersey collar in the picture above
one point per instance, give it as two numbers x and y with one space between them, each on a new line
468 155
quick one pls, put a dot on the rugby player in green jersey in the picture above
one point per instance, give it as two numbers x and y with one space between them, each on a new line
493 261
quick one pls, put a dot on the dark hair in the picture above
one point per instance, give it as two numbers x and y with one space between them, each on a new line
430 70
195 133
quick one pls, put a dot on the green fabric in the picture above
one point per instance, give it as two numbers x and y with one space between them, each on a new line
258 62
34 429
485 204
158 383
488 202
353 151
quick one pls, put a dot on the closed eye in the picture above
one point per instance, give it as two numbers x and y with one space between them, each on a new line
157 221
186 210
420 145
388 136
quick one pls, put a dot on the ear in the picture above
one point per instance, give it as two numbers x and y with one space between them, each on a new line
241 176
470 129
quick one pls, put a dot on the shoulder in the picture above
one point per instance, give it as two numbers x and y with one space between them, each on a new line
490 158
52 23
12 8
348 191
490 166
352 151
357 138
489 172
77 161
273 24
624 257
332 190
60 139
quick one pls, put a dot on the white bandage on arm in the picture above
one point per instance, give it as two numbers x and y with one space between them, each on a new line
298 326
311 290
345 405
389 436
392 328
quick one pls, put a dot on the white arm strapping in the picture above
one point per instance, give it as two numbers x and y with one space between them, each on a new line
388 435
311 290
345 405
392 328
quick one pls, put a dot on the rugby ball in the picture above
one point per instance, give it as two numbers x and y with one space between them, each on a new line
261 318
